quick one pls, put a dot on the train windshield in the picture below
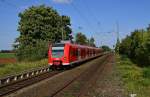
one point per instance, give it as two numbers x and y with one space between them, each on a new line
57 51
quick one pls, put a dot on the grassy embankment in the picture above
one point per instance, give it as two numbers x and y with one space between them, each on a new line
18 67
7 55
14 68
136 79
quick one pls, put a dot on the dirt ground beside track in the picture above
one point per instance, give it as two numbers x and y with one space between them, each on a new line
7 60
100 80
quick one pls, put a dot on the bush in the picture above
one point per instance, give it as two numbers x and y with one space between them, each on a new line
105 48
33 52
146 72
137 47
135 79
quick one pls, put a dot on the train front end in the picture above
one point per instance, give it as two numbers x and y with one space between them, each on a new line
58 55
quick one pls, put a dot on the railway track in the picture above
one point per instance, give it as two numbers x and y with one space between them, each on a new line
13 86
57 93
10 84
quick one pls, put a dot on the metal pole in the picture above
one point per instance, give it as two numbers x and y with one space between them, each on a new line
62 32
117 24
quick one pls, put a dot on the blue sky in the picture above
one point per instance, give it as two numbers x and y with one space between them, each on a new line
96 17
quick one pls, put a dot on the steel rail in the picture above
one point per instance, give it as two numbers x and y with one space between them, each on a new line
74 79
15 82
5 81
5 90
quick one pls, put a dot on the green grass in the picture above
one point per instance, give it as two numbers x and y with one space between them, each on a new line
15 68
136 79
7 55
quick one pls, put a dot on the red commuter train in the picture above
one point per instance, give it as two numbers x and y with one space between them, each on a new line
67 54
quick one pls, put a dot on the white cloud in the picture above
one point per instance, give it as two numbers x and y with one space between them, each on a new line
62 1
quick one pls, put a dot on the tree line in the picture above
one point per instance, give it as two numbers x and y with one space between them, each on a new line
7 51
137 46
40 26
81 39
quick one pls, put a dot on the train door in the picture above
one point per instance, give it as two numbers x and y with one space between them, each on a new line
73 54
79 54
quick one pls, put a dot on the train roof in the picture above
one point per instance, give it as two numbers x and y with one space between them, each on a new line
72 44
58 44
84 46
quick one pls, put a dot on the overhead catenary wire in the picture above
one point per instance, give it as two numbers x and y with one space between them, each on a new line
90 11
97 23
82 16
9 4
94 18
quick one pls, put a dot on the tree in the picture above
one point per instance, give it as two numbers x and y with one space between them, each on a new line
81 39
125 46
136 37
148 28
91 42
105 48
40 24
66 27
117 46
137 47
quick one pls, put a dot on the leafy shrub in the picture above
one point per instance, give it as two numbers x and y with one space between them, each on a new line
33 52
137 47
146 72
106 48
135 79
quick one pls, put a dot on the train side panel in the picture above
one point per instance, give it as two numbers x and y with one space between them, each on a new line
67 54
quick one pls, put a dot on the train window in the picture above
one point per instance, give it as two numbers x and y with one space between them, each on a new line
72 52
57 52
76 52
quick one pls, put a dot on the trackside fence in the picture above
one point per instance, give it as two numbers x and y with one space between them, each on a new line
22 76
